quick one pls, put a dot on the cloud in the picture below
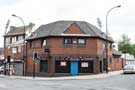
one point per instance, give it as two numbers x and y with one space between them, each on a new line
5 3
121 20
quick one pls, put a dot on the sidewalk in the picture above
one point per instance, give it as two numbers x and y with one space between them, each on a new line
97 76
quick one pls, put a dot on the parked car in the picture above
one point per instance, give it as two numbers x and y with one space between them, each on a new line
129 68
1 69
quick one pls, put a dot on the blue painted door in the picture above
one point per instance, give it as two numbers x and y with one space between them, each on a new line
74 68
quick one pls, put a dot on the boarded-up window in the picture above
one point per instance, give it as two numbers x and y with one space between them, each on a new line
63 63
84 64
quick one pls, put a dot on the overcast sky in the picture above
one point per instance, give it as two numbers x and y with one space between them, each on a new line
120 20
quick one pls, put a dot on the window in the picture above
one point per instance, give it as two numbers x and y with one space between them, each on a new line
67 41
81 41
84 64
20 37
110 61
103 46
43 43
14 50
13 39
19 49
74 41
110 46
32 44
8 40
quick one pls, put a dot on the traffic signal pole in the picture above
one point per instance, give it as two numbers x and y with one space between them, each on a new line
35 57
9 61
34 69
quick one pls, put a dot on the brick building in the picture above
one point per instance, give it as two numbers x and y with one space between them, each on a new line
68 48
117 62
14 47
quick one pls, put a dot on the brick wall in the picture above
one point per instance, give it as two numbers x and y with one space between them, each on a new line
117 64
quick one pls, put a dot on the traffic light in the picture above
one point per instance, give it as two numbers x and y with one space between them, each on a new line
35 56
8 59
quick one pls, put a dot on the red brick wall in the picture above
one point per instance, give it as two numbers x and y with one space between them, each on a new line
18 55
117 64
74 29
100 47
57 46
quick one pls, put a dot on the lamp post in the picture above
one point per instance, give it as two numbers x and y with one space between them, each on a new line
23 37
5 63
107 34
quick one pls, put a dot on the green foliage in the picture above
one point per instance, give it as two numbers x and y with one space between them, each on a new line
125 46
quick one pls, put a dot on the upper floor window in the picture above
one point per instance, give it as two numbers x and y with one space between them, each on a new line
19 49
8 40
14 50
13 39
110 46
20 37
104 46
81 41
43 42
32 44
68 41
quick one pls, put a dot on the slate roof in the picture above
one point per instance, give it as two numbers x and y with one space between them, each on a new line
18 30
115 52
15 30
57 29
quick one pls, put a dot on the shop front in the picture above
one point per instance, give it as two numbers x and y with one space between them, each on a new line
75 65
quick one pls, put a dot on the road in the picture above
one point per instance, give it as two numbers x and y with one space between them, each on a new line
118 82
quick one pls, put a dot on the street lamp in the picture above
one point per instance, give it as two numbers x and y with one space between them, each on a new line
23 37
107 34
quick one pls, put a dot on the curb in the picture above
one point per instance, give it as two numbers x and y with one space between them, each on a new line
97 76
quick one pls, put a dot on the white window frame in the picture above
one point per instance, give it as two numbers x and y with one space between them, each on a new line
81 41
14 50
19 49
104 46
44 42
67 41
20 37
7 40
13 39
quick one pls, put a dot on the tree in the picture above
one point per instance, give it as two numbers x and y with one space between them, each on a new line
124 45
133 50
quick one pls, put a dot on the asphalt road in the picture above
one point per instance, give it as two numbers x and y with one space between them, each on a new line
118 82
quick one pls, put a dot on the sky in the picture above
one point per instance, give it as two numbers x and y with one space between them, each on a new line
120 20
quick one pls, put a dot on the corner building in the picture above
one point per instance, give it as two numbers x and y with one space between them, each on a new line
68 48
